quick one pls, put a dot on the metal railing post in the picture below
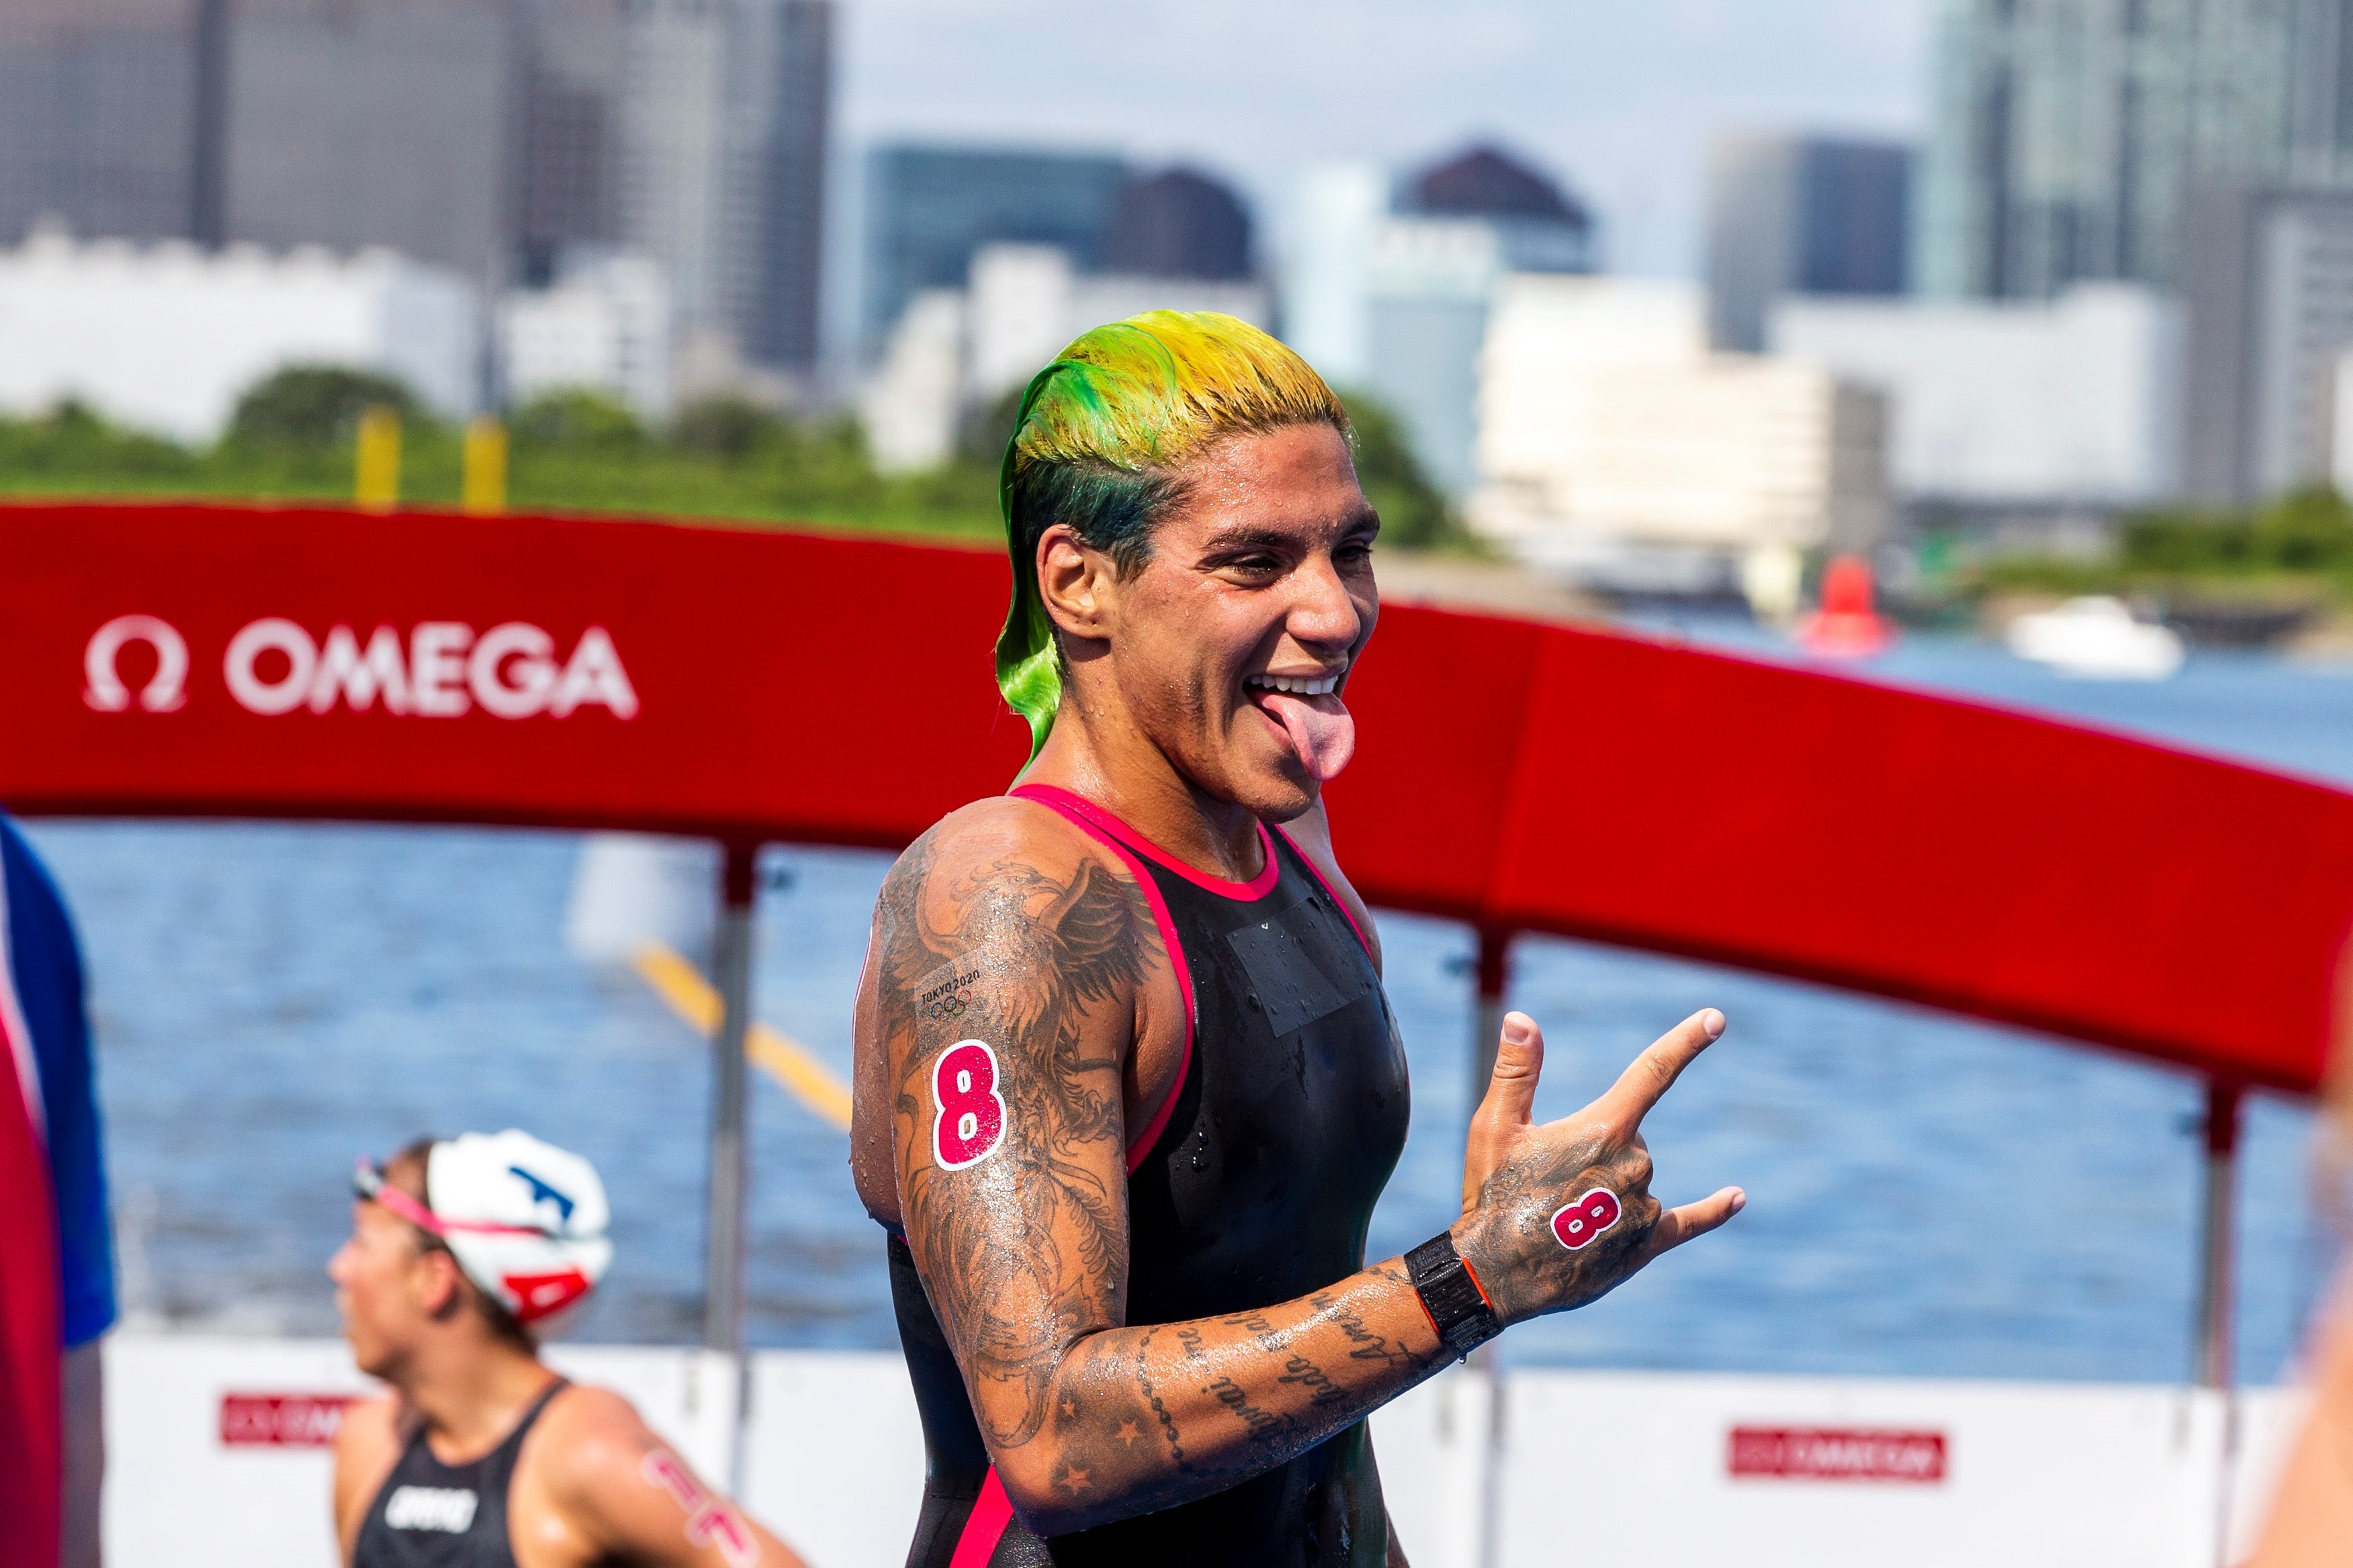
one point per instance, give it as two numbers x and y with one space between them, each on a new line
724 1218
2217 1243
1494 972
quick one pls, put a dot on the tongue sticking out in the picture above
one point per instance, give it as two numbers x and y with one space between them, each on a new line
1321 729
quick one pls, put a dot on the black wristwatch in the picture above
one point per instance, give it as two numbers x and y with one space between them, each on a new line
1452 1295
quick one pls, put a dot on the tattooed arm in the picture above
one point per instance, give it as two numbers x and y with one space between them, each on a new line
1015 981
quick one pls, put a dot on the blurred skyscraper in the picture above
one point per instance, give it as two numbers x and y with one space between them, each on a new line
1179 224
487 135
1539 227
717 154
929 208
352 123
99 113
1388 285
2068 134
2268 283
1800 215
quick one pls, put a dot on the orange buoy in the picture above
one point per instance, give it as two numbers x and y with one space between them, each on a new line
1846 627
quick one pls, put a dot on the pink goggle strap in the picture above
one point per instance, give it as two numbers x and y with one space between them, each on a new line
368 1182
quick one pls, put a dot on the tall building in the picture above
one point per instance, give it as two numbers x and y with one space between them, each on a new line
793 159
484 135
2268 284
692 133
1801 214
2068 133
1389 285
374 123
1179 223
98 112
930 208
1538 226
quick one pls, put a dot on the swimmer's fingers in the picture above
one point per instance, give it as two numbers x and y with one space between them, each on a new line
1678 1225
1655 1072
1509 1106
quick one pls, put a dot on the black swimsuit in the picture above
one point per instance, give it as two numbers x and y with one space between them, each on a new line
432 1515
1253 1186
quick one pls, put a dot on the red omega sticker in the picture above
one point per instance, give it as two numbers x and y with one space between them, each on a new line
1577 1224
971 1123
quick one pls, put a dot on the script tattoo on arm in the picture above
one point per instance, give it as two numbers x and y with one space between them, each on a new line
1043 956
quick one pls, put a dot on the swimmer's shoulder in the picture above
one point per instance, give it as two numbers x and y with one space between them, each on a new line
367 1444
1002 837
613 1487
588 1445
587 1435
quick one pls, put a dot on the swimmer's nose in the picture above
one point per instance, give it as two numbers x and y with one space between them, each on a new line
1322 614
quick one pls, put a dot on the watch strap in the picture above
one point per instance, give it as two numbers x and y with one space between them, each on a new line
1452 1295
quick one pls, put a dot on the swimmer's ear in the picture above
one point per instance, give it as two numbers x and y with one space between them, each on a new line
1070 581
440 1292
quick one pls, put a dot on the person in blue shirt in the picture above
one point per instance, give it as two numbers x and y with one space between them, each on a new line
45 985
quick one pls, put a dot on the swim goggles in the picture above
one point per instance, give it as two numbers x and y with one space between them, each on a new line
369 1186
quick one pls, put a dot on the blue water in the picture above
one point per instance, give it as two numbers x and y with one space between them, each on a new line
1929 1196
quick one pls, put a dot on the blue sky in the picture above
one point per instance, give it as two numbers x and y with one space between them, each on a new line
1618 99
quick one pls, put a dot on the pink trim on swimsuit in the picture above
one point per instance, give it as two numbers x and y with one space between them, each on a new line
1096 824
984 1526
1337 901
1257 888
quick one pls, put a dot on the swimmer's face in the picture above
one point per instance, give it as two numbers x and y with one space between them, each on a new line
1261 577
389 1287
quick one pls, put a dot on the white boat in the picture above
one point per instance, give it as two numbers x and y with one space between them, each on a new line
2096 637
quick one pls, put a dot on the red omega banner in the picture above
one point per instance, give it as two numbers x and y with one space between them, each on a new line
755 684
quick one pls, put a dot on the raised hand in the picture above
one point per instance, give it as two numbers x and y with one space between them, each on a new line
1557 1215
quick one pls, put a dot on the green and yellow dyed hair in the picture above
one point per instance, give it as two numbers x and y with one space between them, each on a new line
1100 433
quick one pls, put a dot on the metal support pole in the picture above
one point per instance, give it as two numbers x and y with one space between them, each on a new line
2217 1249
723 1242
1493 971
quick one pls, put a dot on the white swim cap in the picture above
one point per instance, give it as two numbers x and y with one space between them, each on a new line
524 1219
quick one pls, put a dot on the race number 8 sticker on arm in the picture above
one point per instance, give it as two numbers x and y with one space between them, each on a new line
971 1120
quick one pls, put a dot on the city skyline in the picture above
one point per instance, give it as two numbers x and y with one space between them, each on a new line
1618 103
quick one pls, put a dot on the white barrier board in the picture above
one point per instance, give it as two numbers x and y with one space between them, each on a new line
217 1458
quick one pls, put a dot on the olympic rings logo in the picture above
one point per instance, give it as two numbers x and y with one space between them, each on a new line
952 1006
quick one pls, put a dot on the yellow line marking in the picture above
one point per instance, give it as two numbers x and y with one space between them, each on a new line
786 1060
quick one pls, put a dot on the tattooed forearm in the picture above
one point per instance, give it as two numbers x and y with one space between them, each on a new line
1363 1344
1264 1426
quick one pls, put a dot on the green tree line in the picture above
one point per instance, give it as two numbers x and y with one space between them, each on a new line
2299 545
292 438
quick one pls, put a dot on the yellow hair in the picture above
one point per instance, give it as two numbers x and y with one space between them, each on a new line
1099 431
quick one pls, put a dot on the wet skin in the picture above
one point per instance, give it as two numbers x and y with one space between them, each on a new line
1264 567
